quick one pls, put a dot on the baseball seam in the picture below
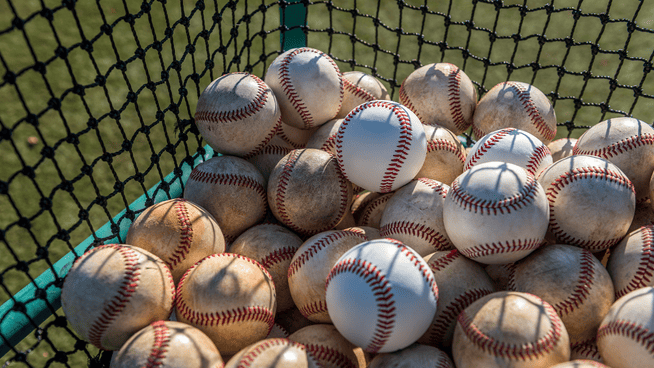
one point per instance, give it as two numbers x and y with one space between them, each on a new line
454 97
357 91
313 308
114 307
536 118
569 177
437 264
278 255
434 185
185 234
289 89
491 207
371 208
587 349
645 271
248 359
477 131
445 145
402 149
509 246
286 138
160 346
329 145
330 355
273 150
446 319
266 140
525 351
406 101
421 231
416 260
230 179
582 288
616 148
631 330
536 158
320 244
486 146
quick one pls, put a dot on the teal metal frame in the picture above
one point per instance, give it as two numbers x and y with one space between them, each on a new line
25 312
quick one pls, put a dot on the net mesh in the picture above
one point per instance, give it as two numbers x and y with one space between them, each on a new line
98 97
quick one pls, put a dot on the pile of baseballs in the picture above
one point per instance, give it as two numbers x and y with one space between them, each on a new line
342 229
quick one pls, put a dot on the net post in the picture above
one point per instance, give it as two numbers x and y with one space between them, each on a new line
292 18
17 323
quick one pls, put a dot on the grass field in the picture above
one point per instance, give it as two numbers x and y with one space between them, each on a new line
140 99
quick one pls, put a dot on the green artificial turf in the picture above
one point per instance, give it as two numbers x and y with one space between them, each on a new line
76 144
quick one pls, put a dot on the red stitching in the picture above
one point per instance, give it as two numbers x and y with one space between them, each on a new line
320 244
278 255
454 97
569 177
248 359
128 287
330 355
645 271
255 313
160 346
418 262
536 158
273 150
510 246
437 264
638 333
186 234
582 288
445 145
263 91
435 185
525 351
586 349
616 148
477 131
357 91
329 145
263 144
317 307
406 101
486 146
371 207
447 317
286 139
525 98
230 179
421 231
492 207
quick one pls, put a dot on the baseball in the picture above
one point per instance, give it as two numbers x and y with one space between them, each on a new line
360 87
460 283
572 281
327 345
625 336
266 159
510 329
307 191
414 216
643 216
580 363
308 86
511 145
586 350
496 213
415 355
168 344
592 202
325 137
440 94
445 155
515 105
237 114
628 143
370 209
273 246
381 295
561 148
631 263
274 353
177 231
112 291
311 265
230 298
294 137
381 146
232 190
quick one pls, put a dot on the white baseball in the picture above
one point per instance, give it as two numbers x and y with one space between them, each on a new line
631 263
496 213
308 86
381 295
511 145
381 146
237 114
360 87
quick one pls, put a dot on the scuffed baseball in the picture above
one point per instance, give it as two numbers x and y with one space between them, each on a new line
112 291
460 283
273 246
308 86
592 202
294 137
229 297
440 94
371 214
179 232
515 105
631 263
624 338
415 355
327 345
360 87
561 148
325 137
381 295
274 353
414 216
627 143
510 329
445 157
570 279
381 146
237 114
307 191
511 145
168 344
232 190
496 213
266 159
586 350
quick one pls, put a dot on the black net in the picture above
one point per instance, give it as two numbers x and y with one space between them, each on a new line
97 97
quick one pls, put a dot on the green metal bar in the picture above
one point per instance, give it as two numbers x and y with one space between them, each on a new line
293 15
25 311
